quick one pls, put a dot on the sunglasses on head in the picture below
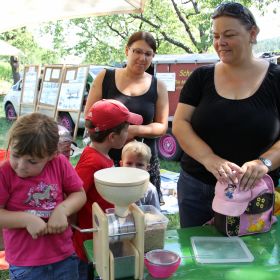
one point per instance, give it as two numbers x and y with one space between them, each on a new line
235 10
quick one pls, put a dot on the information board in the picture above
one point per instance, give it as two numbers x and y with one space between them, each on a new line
29 92
50 88
72 93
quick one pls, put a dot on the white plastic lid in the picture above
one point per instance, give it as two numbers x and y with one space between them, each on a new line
220 250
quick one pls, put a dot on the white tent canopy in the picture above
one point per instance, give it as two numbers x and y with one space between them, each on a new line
7 49
18 13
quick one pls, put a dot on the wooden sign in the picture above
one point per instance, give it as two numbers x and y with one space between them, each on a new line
29 92
72 93
50 88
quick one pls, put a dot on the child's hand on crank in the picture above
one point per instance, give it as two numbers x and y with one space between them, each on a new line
58 221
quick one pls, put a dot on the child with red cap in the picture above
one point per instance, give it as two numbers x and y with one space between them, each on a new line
107 123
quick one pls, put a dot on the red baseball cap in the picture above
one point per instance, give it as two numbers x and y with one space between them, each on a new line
109 113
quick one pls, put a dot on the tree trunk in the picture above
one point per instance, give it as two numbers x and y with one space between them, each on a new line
15 68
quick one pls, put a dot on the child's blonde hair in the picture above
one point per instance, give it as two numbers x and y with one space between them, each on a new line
138 148
34 134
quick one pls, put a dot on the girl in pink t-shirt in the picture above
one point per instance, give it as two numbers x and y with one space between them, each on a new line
39 190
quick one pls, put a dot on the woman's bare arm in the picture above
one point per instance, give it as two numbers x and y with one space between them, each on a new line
195 147
95 92
19 219
159 126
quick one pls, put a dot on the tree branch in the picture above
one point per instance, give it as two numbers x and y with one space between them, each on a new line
195 6
165 36
185 24
116 31
176 43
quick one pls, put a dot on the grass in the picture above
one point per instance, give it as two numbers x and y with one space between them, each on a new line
4 275
4 125
170 165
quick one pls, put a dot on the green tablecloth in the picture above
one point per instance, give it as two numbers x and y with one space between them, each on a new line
264 247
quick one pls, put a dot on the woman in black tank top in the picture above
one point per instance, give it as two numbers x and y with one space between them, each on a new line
141 93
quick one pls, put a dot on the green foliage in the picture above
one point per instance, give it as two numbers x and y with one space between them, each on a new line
268 45
174 221
4 274
4 127
104 54
48 57
170 165
178 26
33 53
5 71
23 40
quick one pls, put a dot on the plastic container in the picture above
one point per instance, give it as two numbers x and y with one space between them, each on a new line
220 250
155 228
162 263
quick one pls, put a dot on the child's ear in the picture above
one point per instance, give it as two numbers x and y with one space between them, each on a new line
111 136
148 167
121 163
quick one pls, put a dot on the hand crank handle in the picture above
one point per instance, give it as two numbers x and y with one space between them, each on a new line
84 230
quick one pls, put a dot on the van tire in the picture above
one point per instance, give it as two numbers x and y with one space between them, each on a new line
65 120
10 112
168 147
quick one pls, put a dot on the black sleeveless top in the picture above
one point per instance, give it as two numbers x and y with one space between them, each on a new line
237 130
144 105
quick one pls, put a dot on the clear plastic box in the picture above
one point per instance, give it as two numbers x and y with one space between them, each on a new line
220 250
155 228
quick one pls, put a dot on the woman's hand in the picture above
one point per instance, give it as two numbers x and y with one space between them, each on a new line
224 171
253 171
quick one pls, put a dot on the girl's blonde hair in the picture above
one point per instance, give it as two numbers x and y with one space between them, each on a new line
138 148
34 134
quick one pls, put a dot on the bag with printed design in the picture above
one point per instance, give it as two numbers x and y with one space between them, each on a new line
239 212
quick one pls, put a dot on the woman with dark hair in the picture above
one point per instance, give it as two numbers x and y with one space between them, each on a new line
227 120
141 93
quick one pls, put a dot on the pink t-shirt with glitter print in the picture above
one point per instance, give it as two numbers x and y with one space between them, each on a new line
38 195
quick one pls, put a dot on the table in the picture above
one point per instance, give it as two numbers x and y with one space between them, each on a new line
265 247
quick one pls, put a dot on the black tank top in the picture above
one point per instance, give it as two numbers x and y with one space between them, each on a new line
144 105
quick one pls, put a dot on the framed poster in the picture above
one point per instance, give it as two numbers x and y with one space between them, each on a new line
29 92
72 88
72 92
50 88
